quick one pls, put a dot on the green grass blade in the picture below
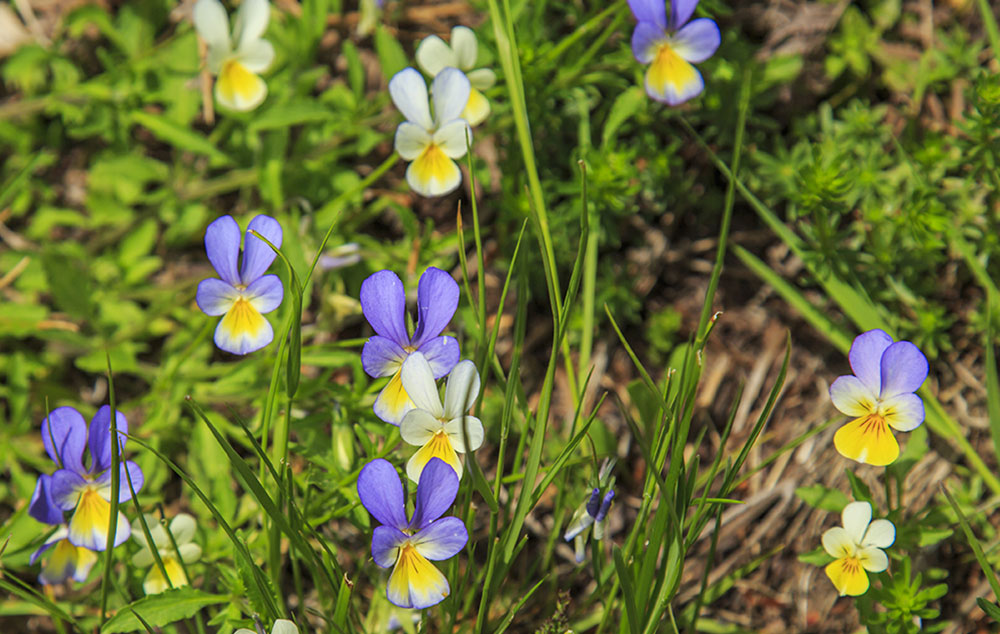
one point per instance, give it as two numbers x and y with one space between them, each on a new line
116 459
977 548
628 592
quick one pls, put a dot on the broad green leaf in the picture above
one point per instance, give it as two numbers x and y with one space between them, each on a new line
391 56
181 138
289 114
161 609
70 284
823 498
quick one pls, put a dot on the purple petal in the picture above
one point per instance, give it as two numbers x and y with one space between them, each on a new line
383 303
680 12
215 297
64 434
654 11
435 493
646 41
42 507
382 494
386 541
442 539
866 357
904 369
437 299
594 503
442 354
133 472
381 356
605 506
53 539
697 41
65 488
257 256
265 293
222 244
100 438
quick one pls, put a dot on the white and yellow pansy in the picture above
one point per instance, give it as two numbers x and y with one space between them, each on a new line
434 55
236 58
182 529
857 547
432 143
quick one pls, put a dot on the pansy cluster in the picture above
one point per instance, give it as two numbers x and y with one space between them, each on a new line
880 397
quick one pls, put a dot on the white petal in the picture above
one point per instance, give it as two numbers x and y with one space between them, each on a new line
409 92
873 559
190 553
451 92
482 78
251 22
411 140
284 626
462 389
183 527
881 533
256 56
212 24
837 543
418 427
457 430
433 55
418 381
452 138
856 517
463 42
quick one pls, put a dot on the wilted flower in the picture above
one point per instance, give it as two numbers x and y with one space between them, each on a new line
86 492
339 257
384 305
407 545
592 512
434 55
857 546
670 47
439 430
182 528
238 86
64 560
243 294
431 143
880 394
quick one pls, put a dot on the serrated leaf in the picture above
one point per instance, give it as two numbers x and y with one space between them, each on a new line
161 609
823 498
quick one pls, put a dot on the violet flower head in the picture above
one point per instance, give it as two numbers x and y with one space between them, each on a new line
407 545
85 492
244 293
671 46
383 302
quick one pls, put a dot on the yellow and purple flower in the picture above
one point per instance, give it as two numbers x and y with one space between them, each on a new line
434 55
238 87
857 547
440 430
671 47
182 529
879 395
244 294
432 143
85 492
383 303
408 545
64 560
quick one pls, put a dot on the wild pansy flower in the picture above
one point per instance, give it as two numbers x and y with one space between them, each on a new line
182 528
86 492
592 512
281 626
857 546
671 46
236 59
64 560
879 395
434 55
440 430
407 544
243 294
431 143
383 303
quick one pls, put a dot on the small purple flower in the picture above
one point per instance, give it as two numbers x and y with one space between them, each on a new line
879 395
86 492
670 47
384 305
408 544
244 294
593 511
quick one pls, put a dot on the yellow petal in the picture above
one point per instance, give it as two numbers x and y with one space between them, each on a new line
89 525
433 173
238 88
672 79
867 440
415 582
439 446
155 583
477 108
243 329
848 576
393 402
